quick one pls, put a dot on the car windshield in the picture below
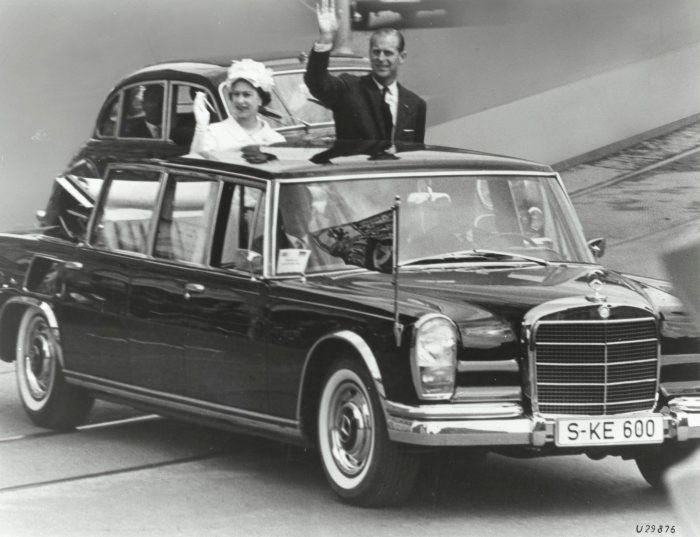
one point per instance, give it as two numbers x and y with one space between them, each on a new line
443 219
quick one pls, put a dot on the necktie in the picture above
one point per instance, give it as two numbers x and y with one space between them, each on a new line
386 115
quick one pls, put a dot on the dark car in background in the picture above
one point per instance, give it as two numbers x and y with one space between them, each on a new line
376 305
293 112
362 10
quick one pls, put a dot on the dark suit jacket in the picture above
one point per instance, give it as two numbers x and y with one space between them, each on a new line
135 128
356 104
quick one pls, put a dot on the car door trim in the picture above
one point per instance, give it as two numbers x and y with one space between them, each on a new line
257 421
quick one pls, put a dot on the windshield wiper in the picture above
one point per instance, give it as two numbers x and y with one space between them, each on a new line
474 255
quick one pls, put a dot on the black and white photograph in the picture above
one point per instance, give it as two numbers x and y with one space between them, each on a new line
349 267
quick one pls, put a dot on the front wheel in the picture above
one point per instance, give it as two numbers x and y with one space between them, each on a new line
46 397
653 465
361 464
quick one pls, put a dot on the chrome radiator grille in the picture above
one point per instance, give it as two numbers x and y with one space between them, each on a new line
595 366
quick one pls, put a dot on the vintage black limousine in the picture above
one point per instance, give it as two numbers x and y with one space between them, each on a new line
374 304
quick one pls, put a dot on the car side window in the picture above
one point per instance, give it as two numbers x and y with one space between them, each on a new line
124 217
242 225
107 123
185 219
182 121
142 112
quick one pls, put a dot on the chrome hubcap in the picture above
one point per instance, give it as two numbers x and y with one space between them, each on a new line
350 428
39 359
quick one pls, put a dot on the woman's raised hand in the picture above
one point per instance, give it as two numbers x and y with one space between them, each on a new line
199 107
327 21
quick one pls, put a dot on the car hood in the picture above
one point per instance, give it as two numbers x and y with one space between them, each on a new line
466 293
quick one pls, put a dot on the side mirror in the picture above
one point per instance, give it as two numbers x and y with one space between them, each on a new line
597 246
245 260
254 260
40 216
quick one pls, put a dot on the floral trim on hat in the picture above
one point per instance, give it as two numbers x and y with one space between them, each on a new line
251 71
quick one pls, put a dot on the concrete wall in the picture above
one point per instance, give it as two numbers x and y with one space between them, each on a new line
551 79
542 79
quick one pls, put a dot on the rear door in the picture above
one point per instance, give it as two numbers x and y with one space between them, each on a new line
97 283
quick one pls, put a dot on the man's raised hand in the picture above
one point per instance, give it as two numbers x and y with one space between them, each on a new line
327 21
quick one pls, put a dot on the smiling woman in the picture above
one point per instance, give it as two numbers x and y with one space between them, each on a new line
249 84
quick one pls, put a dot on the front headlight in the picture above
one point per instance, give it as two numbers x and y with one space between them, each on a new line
434 357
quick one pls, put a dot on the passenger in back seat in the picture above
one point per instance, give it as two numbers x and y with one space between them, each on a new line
249 84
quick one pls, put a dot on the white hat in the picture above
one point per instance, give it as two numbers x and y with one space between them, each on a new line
251 71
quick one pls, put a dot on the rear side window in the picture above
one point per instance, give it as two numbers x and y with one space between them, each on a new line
107 123
143 112
124 218
241 227
185 220
182 121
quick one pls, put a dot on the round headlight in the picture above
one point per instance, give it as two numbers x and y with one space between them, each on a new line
434 357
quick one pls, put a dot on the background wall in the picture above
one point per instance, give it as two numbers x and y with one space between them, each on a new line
542 79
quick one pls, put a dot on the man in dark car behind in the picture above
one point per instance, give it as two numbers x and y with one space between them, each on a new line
148 124
372 107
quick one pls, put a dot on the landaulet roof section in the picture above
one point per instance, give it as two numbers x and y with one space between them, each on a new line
285 161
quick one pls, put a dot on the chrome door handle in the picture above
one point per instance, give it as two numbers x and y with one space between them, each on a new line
193 289
73 265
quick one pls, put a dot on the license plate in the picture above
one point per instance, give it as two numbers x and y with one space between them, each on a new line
609 431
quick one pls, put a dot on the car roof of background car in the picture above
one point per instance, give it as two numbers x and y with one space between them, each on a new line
301 160
277 61
213 70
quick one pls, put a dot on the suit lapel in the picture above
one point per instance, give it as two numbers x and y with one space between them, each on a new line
374 99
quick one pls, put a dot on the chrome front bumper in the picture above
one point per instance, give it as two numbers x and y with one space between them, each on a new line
506 424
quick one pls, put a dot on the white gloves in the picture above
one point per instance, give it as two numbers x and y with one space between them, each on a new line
199 107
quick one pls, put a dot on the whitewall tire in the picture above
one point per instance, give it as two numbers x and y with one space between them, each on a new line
46 397
361 464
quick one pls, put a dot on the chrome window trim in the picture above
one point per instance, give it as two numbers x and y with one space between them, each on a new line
408 174
175 82
99 205
122 89
204 169
169 177
330 178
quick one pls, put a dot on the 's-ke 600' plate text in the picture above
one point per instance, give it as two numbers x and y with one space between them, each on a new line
605 431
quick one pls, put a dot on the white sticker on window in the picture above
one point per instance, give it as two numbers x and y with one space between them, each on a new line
292 261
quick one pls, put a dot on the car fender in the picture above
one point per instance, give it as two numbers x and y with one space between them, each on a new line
10 315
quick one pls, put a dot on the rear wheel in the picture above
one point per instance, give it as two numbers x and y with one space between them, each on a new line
46 397
361 464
